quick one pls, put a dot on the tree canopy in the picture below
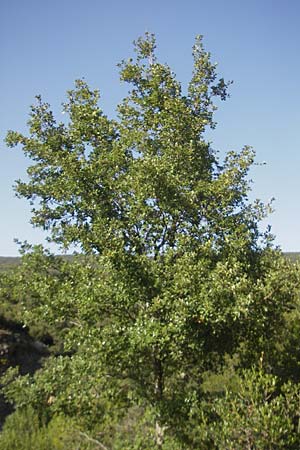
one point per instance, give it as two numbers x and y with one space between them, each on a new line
148 182
177 274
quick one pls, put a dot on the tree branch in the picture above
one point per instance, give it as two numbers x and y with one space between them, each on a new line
93 440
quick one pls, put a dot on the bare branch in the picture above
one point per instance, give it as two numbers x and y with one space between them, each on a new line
93 440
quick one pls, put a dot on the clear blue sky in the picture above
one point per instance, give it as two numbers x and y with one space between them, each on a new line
46 45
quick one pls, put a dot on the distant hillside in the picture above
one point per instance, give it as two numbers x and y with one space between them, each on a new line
9 262
293 256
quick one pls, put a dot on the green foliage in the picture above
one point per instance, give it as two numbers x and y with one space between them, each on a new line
19 291
24 430
148 183
116 335
284 352
176 275
257 414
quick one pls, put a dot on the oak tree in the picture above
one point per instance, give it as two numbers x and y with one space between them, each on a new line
177 272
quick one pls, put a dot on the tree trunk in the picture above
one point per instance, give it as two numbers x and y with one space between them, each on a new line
158 392
159 434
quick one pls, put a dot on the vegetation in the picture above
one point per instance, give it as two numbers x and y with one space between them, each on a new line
293 256
8 262
175 327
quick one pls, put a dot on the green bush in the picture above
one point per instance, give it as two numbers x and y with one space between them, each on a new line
24 430
257 415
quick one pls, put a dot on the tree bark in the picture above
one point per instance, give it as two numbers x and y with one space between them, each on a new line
158 391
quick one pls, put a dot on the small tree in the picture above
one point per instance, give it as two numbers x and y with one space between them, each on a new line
181 273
